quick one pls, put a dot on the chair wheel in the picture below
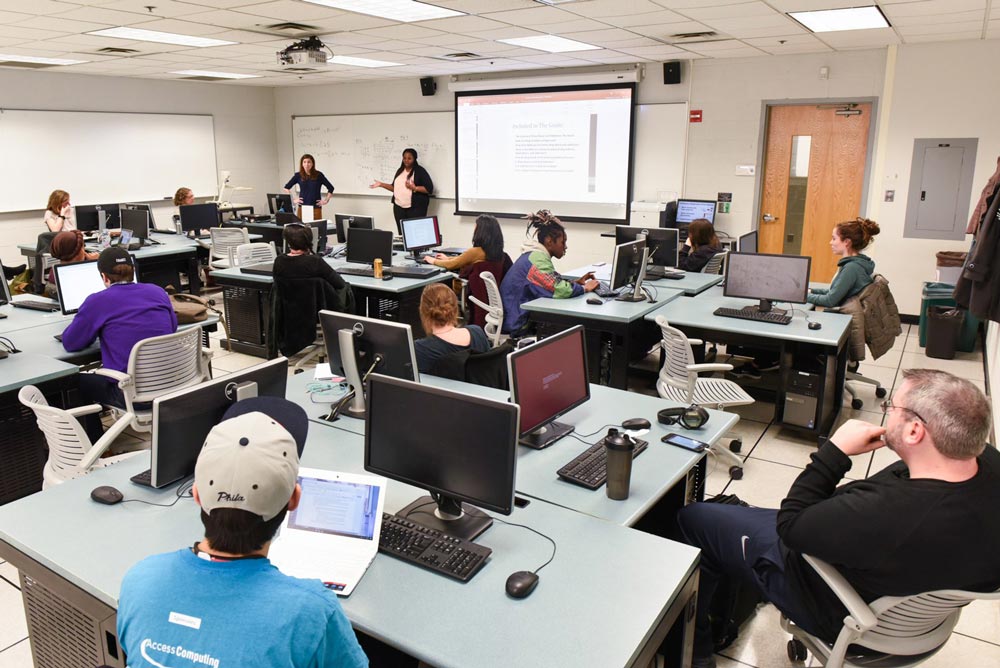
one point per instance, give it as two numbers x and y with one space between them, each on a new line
736 472
735 445
796 650
880 392
298 371
856 404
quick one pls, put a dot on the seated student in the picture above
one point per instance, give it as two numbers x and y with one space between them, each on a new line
854 270
59 212
184 197
301 262
916 526
439 316
121 316
67 247
699 247
487 244
533 274
222 600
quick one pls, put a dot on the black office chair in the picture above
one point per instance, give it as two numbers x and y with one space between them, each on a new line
294 323
488 369
42 247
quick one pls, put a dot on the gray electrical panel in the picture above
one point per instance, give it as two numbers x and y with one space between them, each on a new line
937 206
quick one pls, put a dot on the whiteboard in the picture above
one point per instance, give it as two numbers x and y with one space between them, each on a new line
355 150
660 148
102 157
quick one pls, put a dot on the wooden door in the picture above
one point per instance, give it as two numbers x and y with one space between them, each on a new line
814 170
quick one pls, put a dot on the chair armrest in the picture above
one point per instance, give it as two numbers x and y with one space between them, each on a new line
695 342
102 444
860 615
485 307
120 376
85 410
717 366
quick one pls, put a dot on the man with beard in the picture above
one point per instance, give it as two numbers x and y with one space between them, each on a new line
924 523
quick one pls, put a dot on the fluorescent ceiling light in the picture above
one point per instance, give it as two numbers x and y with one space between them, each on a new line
833 20
406 11
39 60
550 43
360 62
141 35
217 75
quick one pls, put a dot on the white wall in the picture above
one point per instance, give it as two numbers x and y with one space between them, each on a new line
244 131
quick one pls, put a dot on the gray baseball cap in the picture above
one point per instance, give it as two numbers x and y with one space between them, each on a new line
250 460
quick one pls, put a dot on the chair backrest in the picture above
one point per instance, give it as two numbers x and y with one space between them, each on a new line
255 253
295 307
42 246
493 308
162 364
479 290
677 355
65 436
488 369
716 264
225 241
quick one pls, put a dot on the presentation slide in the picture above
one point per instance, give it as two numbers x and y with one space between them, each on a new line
564 150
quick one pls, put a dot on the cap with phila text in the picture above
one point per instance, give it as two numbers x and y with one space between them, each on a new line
250 460
111 257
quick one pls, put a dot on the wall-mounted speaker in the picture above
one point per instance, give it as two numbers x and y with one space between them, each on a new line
428 86
672 72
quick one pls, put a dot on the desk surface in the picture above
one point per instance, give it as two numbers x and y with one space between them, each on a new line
599 571
170 244
699 312
693 283
611 310
22 369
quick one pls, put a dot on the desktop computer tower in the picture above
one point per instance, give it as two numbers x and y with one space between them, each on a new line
803 392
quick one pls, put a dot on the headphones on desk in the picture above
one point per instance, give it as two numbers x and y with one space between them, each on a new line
692 417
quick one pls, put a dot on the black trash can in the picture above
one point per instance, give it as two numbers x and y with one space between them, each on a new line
944 323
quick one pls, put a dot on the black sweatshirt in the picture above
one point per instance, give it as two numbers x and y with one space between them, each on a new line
889 535
307 266
689 260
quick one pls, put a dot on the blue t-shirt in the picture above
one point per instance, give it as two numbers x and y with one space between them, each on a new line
309 190
177 610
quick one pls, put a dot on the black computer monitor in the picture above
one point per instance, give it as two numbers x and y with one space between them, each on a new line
279 202
661 240
628 267
358 346
363 246
473 462
285 218
768 278
548 379
348 221
88 218
182 419
748 242
420 234
197 217
689 210
142 207
137 222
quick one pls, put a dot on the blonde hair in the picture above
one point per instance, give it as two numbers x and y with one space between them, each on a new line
181 195
57 199
438 307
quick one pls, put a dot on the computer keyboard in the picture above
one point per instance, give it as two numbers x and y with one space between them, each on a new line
410 541
356 271
604 290
759 316
590 468
145 478
36 305
414 271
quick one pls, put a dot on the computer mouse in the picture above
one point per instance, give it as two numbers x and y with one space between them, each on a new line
386 276
815 325
521 584
596 301
636 423
106 494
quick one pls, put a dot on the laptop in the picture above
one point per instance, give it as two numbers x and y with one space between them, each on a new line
262 268
76 282
334 533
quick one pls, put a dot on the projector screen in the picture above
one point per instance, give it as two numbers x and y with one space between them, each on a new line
567 149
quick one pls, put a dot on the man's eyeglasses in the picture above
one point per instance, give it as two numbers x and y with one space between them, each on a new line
887 405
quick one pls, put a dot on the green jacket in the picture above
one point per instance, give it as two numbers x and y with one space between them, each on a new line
854 274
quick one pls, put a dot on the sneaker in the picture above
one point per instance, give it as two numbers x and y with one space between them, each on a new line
703 661
745 372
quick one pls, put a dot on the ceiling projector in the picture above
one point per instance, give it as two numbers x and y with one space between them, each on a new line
309 51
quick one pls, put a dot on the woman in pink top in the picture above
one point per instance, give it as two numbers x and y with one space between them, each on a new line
411 189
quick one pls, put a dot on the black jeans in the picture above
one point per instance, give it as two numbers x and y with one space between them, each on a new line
96 389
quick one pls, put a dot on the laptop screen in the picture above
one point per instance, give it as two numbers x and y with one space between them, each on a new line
76 282
336 507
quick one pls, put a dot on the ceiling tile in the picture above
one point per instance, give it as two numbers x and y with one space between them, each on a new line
853 39
728 11
105 16
36 7
939 19
666 30
941 28
13 17
402 31
536 17
288 10
606 8
943 37
161 9
177 27
28 33
925 7
463 24
60 25
485 6
658 51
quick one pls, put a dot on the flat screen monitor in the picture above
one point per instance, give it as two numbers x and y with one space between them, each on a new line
748 242
363 246
197 217
283 218
279 202
420 234
768 278
142 207
548 379
88 218
4 293
348 221
689 210
136 221
627 265
182 419
75 282
474 460
661 240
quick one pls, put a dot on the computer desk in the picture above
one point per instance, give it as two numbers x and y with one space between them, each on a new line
616 333
609 598
247 301
160 264
693 283
815 357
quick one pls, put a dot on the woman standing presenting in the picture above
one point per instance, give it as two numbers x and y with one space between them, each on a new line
411 189
59 212
310 182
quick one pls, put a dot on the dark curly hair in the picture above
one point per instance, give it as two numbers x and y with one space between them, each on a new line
547 226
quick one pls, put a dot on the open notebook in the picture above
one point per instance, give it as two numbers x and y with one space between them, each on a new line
333 534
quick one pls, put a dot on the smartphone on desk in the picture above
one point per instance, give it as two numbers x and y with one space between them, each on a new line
685 442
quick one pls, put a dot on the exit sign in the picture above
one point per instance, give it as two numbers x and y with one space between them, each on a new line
695 115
